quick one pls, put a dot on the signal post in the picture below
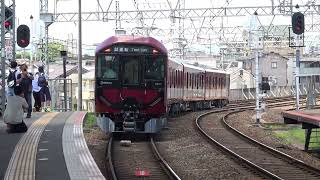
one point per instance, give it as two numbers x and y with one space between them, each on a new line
297 21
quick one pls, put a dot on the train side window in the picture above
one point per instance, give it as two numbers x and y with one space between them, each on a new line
169 74
192 80
202 81
180 78
216 82
213 85
171 78
187 80
207 82
197 80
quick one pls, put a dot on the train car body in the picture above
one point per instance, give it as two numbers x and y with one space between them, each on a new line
130 84
137 85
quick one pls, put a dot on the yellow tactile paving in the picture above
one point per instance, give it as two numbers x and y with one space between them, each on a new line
23 160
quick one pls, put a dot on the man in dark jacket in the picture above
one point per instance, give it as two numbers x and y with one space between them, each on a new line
24 80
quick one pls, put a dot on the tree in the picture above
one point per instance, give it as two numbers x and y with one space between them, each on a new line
54 49
23 55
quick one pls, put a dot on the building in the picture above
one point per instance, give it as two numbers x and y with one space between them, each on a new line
271 65
88 84
241 79
309 67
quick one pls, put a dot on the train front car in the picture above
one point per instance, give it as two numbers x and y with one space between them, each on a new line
130 84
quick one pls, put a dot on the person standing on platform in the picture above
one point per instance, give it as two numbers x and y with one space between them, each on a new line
36 93
24 80
12 78
45 93
13 115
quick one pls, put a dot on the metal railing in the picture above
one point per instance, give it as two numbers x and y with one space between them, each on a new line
61 97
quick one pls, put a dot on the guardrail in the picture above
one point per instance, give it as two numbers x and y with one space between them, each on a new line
58 100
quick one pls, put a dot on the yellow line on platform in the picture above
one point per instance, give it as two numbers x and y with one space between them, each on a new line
22 164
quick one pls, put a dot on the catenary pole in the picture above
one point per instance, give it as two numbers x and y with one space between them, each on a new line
3 63
79 100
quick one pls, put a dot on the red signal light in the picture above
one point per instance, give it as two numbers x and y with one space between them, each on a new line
7 24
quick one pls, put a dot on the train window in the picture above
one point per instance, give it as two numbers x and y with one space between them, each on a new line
187 80
107 67
171 78
212 82
175 79
216 82
192 80
181 78
130 70
154 68
197 81
207 82
202 81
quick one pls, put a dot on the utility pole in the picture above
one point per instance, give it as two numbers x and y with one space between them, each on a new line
258 114
3 63
79 100
297 74
298 29
256 45
64 59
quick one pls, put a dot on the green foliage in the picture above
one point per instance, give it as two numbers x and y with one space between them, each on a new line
23 55
54 49
293 135
90 120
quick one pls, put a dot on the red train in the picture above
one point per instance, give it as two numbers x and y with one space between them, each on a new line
137 85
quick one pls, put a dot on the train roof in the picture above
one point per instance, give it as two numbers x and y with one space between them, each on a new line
201 67
186 64
131 39
216 70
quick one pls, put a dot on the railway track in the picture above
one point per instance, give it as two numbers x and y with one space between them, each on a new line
245 103
262 158
139 160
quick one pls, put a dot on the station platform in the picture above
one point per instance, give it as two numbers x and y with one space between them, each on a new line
53 148
310 120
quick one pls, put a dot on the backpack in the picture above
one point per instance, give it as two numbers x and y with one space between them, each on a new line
11 81
42 82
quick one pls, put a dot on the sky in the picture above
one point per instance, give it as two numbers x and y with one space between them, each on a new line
96 32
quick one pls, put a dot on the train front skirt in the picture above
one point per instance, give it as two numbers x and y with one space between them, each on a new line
153 125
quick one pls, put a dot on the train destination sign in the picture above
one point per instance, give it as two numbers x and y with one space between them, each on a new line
131 49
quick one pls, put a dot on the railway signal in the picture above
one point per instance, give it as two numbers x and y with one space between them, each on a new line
23 36
297 23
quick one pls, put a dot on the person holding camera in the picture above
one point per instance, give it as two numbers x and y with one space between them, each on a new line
24 80
13 115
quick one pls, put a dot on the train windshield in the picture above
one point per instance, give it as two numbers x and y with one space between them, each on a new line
108 67
154 67
130 68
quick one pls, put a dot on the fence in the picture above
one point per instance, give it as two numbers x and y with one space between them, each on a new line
58 102
275 91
